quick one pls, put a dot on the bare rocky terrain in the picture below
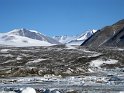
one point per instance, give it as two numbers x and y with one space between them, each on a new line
100 69
109 36
59 60
33 61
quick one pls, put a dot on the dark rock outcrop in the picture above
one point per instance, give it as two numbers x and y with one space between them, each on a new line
112 36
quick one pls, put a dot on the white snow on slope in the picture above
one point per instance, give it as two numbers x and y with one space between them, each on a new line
20 41
82 37
64 39
33 35
24 37
15 38
75 40
99 62
86 35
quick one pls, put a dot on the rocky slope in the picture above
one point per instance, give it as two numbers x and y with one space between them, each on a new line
58 60
111 36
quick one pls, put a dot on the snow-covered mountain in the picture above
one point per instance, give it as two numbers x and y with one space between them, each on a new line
86 35
75 40
80 39
24 37
64 39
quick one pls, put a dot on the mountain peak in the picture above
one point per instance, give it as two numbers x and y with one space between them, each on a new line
75 40
86 35
94 31
17 30
24 33
23 30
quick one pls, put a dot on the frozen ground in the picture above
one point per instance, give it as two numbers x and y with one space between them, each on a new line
63 88
61 69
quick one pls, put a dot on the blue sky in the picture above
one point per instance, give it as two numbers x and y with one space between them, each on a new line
59 17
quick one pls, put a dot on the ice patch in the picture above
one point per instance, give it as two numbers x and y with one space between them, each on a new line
18 58
7 92
28 90
120 49
36 61
8 61
121 92
4 50
35 31
6 55
70 47
87 51
93 55
99 62
90 70
57 92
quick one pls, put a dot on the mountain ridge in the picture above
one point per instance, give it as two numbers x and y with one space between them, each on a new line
75 40
24 37
27 37
102 36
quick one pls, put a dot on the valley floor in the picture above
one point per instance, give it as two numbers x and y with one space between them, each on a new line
63 68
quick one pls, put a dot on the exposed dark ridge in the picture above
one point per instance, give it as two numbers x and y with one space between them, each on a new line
103 35
117 40
89 38
119 22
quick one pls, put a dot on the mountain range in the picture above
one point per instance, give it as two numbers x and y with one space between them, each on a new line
109 36
24 37
75 40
